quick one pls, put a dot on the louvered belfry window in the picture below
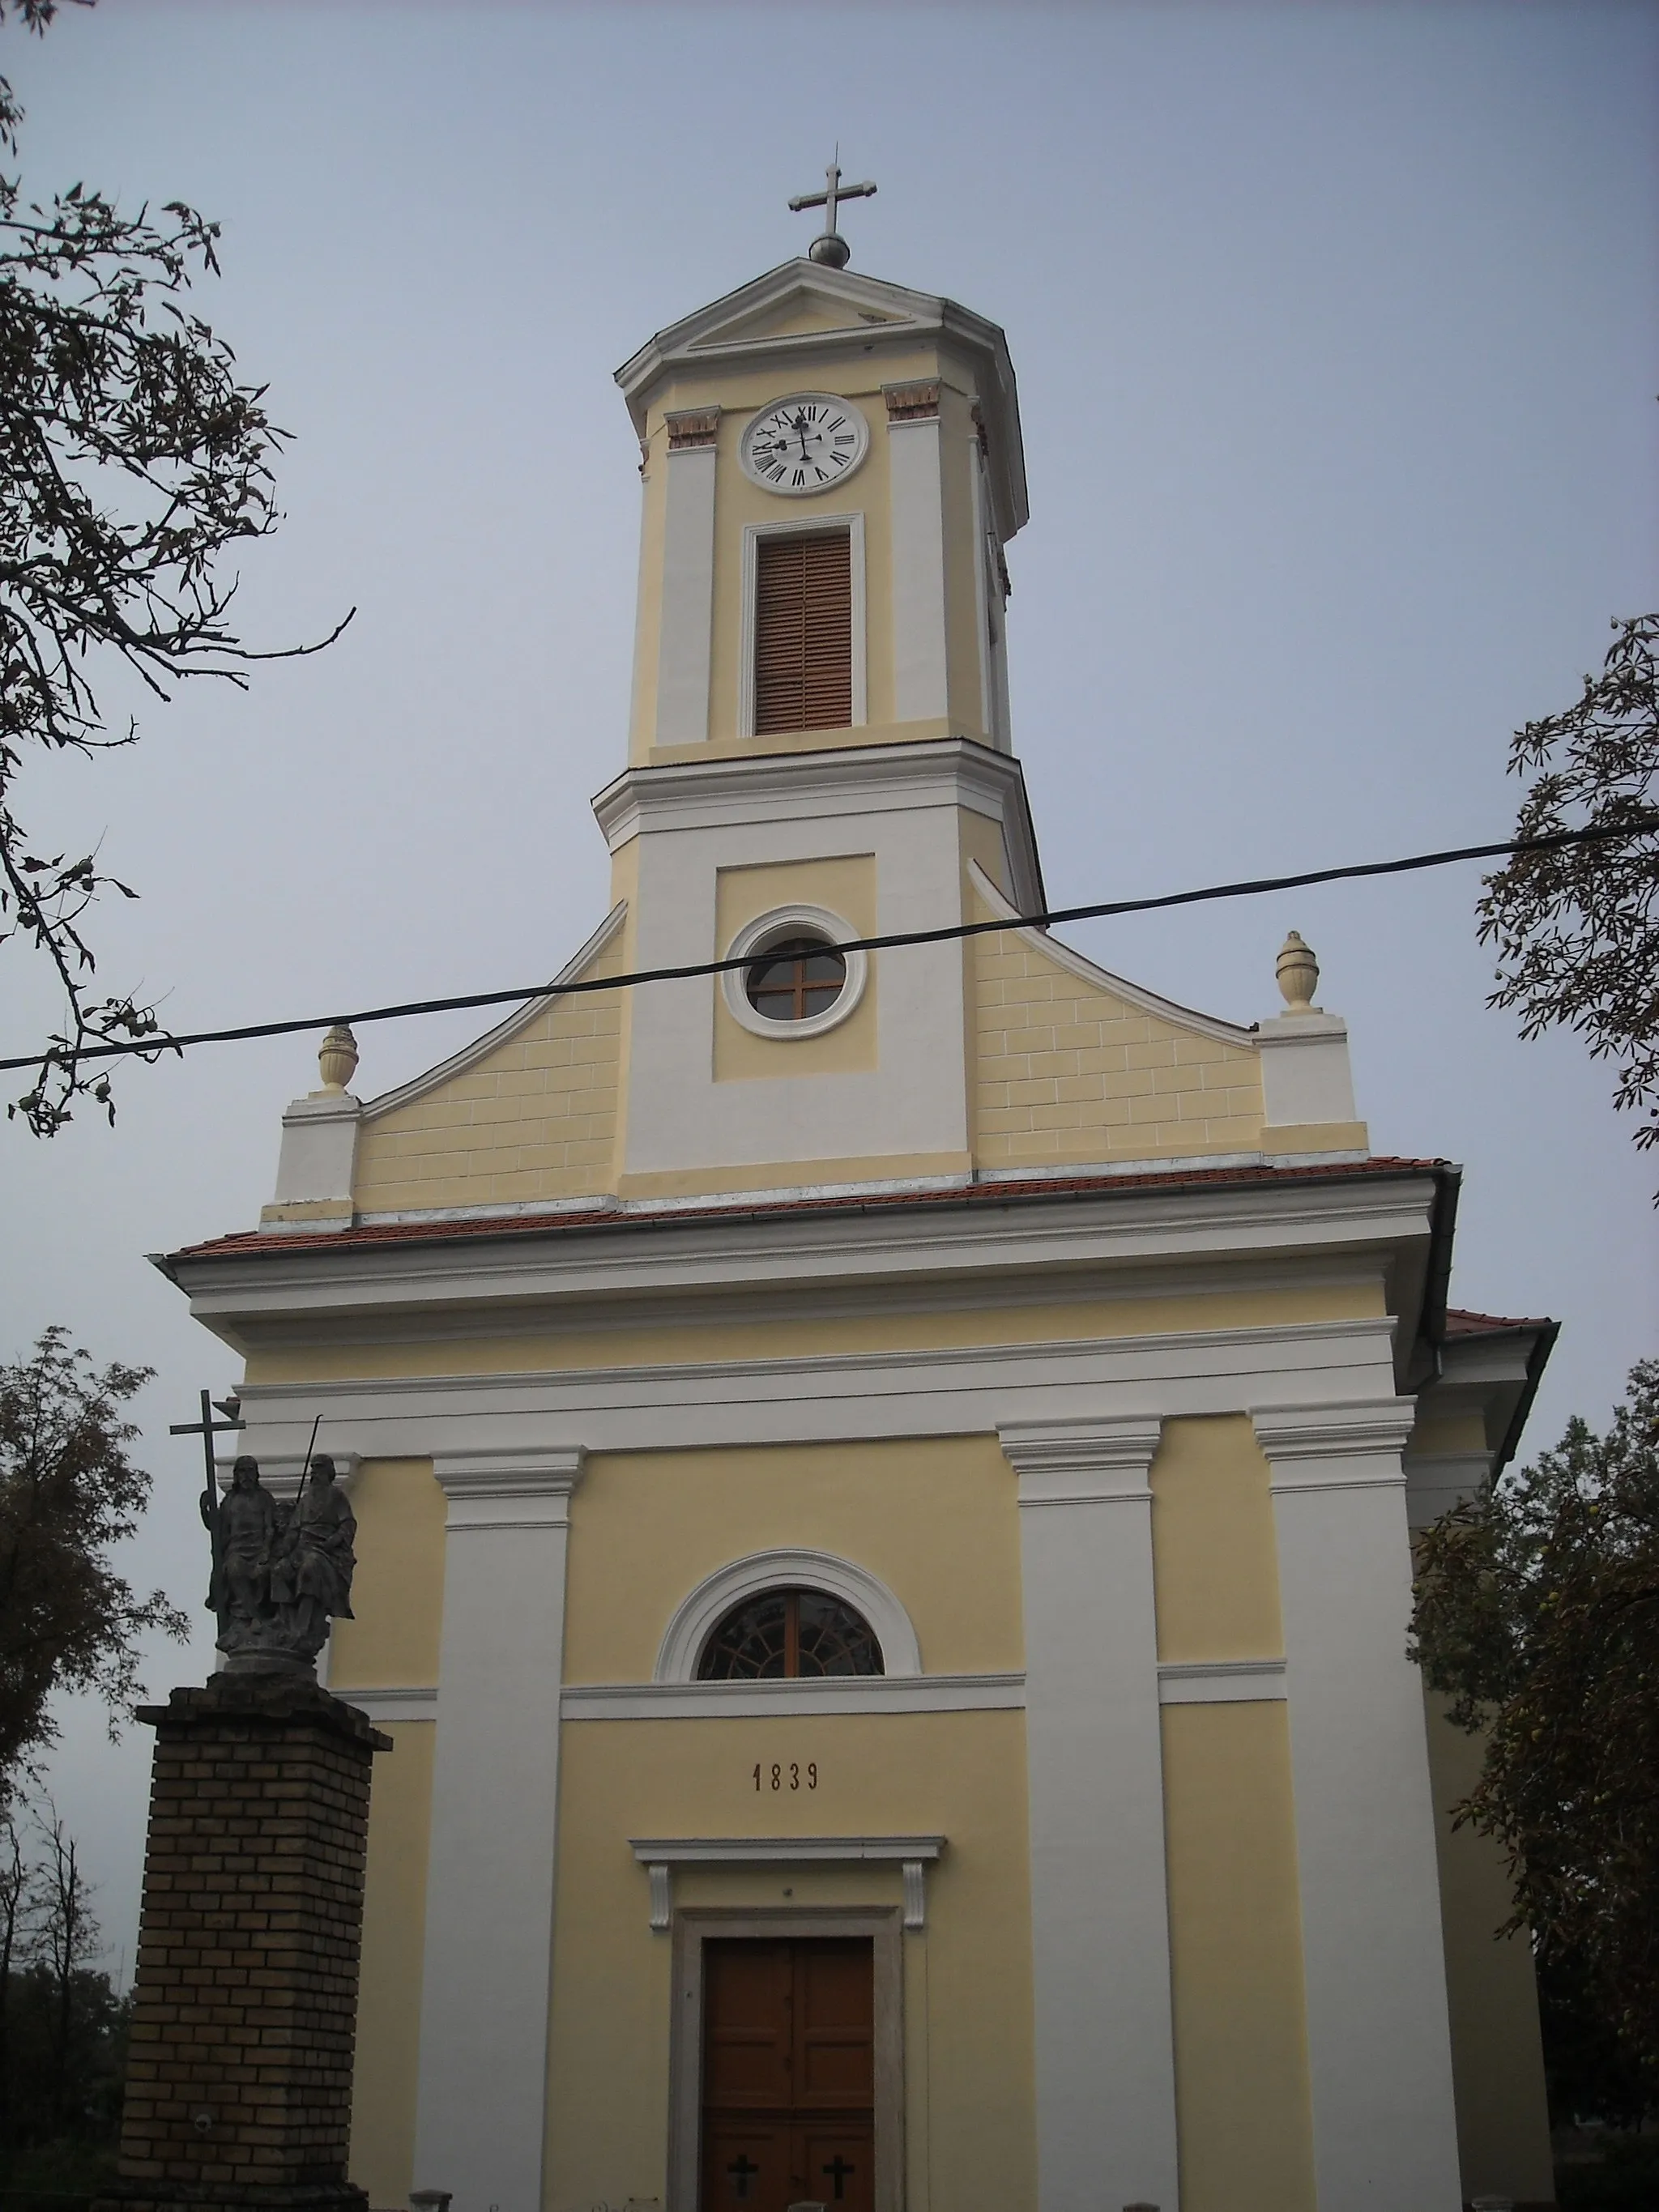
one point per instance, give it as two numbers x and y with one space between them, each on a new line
804 632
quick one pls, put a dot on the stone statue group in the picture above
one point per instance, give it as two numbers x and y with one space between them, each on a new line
281 1572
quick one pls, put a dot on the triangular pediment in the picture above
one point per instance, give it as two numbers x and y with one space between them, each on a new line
803 314
797 307
804 307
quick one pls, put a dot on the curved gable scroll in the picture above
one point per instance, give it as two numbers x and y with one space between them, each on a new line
699 1614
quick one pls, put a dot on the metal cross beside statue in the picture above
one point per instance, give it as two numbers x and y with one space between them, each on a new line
207 1428
830 246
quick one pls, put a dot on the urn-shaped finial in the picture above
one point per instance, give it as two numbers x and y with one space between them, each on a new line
337 1058
1299 975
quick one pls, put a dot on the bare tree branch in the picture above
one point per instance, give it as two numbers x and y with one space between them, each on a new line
132 458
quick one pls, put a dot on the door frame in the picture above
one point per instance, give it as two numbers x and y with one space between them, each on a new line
695 1925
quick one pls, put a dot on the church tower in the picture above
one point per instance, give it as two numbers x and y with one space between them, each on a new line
819 744
884 1470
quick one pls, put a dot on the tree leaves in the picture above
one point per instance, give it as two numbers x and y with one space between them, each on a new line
1576 929
68 1493
1537 1613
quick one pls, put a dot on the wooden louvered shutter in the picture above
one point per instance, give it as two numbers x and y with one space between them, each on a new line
804 632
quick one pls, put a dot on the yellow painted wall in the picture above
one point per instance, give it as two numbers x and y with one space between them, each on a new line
1443 1432
541 1344
1497 2060
799 317
1215 1559
968 1976
398 1589
845 886
534 1119
1244 2110
389 2008
791 1176
1068 1071
855 372
934 1518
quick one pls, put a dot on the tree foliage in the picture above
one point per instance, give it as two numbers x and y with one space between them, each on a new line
132 458
1576 929
1537 1613
68 1494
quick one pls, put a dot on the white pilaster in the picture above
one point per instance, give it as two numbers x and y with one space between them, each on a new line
921 687
489 1955
1379 2045
1105 2073
685 632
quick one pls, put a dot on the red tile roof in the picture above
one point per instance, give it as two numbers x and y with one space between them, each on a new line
265 1244
1461 1322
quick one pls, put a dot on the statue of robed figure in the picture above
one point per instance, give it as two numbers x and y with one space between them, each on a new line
310 1575
280 1572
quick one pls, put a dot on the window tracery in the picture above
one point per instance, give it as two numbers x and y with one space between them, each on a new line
786 1634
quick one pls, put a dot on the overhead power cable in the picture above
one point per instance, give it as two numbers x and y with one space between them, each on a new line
146 1047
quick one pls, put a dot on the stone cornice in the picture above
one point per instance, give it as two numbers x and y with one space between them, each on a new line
766 785
1355 1446
1332 1431
1084 1463
1247 1222
515 1486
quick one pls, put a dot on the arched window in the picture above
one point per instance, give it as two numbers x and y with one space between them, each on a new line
788 1633
795 979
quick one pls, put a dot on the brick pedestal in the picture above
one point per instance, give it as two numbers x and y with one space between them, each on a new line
239 2081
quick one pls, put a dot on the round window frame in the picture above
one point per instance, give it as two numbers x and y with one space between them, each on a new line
753 940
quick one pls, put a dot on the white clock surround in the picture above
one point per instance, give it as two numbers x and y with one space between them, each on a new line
841 437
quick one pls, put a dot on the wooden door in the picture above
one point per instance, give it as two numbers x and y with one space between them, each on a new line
788 2081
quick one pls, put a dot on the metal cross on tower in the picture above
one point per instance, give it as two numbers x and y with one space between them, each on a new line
829 245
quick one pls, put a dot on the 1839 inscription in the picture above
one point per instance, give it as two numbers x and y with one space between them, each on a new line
786 1774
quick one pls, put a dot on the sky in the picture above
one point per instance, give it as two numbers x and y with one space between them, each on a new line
1335 335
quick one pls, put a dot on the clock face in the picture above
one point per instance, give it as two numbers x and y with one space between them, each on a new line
804 444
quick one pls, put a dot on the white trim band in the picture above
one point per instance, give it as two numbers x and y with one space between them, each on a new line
767 1700
1222 1682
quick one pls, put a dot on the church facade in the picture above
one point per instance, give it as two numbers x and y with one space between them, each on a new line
884 1475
